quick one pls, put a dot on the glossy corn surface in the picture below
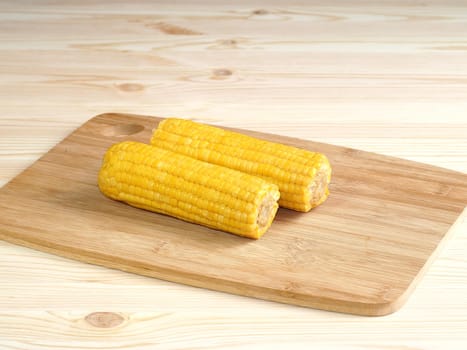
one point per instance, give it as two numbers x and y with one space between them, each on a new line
162 181
302 176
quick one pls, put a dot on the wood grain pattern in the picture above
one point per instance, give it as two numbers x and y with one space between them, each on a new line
362 252
387 77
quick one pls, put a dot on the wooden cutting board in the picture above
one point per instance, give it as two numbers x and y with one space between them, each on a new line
361 252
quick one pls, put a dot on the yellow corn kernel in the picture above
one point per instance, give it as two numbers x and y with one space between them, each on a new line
165 182
301 175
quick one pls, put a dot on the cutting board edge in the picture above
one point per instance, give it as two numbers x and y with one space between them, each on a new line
385 307
399 302
382 308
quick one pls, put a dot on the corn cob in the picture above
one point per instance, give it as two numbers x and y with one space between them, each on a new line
165 182
302 176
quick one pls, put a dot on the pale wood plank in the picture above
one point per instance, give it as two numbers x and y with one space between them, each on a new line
391 46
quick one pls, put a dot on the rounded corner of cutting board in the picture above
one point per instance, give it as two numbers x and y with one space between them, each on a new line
383 307
117 116
105 115
372 307
117 126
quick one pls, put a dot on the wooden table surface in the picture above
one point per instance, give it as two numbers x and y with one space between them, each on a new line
389 77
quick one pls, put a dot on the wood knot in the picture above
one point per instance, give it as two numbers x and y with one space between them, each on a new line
104 319
159 247
442 190
130 87
229 42
221 73
172 29
260 12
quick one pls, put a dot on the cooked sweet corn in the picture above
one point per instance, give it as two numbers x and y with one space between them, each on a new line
162 181
302 176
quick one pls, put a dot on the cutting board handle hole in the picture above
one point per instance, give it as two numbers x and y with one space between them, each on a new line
122 129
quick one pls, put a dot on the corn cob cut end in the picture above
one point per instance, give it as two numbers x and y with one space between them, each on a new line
319 190
266 212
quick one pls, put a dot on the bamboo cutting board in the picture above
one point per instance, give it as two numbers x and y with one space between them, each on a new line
361 252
